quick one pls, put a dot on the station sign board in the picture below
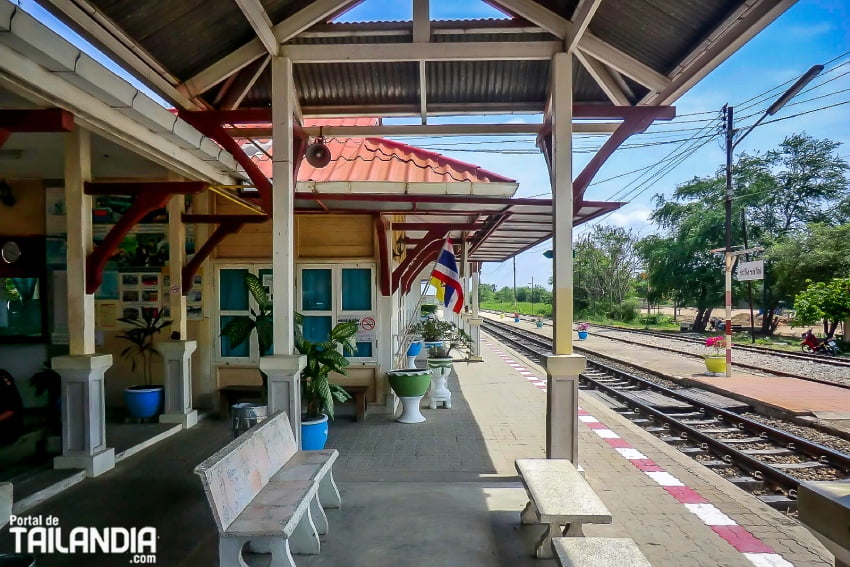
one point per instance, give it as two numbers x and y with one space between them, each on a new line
750 271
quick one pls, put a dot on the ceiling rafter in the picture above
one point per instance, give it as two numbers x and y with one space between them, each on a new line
605 52
581 19
393 52
422 34
243 83
256 15
606 78
315 12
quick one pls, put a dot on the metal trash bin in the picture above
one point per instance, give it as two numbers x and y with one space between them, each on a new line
246 415
16 560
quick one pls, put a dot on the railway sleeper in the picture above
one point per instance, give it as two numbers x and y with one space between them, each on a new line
719 430
700 422
747 483
693 451
763 452
657 429
714 464
743 441
671 440
797 466
779 502
688 415
641 421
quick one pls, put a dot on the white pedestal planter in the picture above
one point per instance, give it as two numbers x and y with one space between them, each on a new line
410 386
440 369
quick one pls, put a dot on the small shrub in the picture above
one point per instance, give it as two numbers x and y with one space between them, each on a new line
625 311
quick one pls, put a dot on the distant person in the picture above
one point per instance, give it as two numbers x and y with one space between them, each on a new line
11 410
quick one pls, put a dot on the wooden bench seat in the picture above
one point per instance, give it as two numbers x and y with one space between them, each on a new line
597 552
558 496
266 493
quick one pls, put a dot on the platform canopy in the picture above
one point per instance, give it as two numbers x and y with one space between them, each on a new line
632 58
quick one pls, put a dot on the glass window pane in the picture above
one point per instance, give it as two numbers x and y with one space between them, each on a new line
226 349
356 289
233 293
317 329
317 292
364 350
20 307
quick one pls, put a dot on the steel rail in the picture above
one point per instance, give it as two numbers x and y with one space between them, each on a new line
822 454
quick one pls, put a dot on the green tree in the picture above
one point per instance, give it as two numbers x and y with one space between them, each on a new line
604 267
827 302
486 292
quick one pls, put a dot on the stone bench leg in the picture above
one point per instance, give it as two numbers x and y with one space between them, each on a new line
230 552
305 539
320 519
543 549
328 492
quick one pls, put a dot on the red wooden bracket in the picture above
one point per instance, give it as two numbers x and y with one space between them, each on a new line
412 255
149 197
4 135
36 120
428 254
209 123
227 225
385 260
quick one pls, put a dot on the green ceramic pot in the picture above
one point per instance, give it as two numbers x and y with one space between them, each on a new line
408 382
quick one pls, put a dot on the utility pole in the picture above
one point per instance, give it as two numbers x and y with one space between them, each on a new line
730 146
514 283
532 296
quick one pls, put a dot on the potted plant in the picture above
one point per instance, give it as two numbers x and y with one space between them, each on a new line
715 360
143 400
434 332
322 359
582 331
318 393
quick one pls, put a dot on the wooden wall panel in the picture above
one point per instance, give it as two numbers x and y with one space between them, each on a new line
26 217
335 236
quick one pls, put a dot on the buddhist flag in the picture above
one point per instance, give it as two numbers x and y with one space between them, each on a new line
446 279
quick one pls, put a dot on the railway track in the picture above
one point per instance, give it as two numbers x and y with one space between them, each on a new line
764 460
809 358
820 369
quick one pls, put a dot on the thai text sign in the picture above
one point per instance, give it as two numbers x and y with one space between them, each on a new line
750 271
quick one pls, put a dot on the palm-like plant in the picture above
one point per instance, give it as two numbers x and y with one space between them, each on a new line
322 357
141 351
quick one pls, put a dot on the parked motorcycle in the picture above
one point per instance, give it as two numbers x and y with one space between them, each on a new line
815 345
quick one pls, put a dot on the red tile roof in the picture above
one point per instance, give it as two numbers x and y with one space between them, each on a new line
379 159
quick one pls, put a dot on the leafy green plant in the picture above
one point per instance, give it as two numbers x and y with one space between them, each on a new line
433 330
239 329
323 358
141 350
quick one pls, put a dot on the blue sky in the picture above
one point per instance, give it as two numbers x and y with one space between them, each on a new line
810 32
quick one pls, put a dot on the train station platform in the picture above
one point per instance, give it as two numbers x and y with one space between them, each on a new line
445 492
776 395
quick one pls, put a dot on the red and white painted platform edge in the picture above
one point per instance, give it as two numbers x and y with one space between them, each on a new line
755 550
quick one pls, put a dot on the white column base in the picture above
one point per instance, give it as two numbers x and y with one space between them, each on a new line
475 333
284 387
177 358
187 420
562 405
83 414
94 465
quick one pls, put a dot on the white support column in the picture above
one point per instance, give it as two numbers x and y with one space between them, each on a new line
475 320
177 352
83 409
463 319
563 367
283 368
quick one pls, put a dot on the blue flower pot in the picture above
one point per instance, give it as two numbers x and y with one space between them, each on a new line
314 433
582 335
144 401
414 349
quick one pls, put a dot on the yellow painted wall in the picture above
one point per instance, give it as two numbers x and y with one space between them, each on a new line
26 218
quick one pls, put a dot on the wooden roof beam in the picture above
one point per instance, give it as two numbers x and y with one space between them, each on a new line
315 12
581 19
616 90
256 15
36 120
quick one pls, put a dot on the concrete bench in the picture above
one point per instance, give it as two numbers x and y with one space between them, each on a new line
558 496
597 552
264 492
